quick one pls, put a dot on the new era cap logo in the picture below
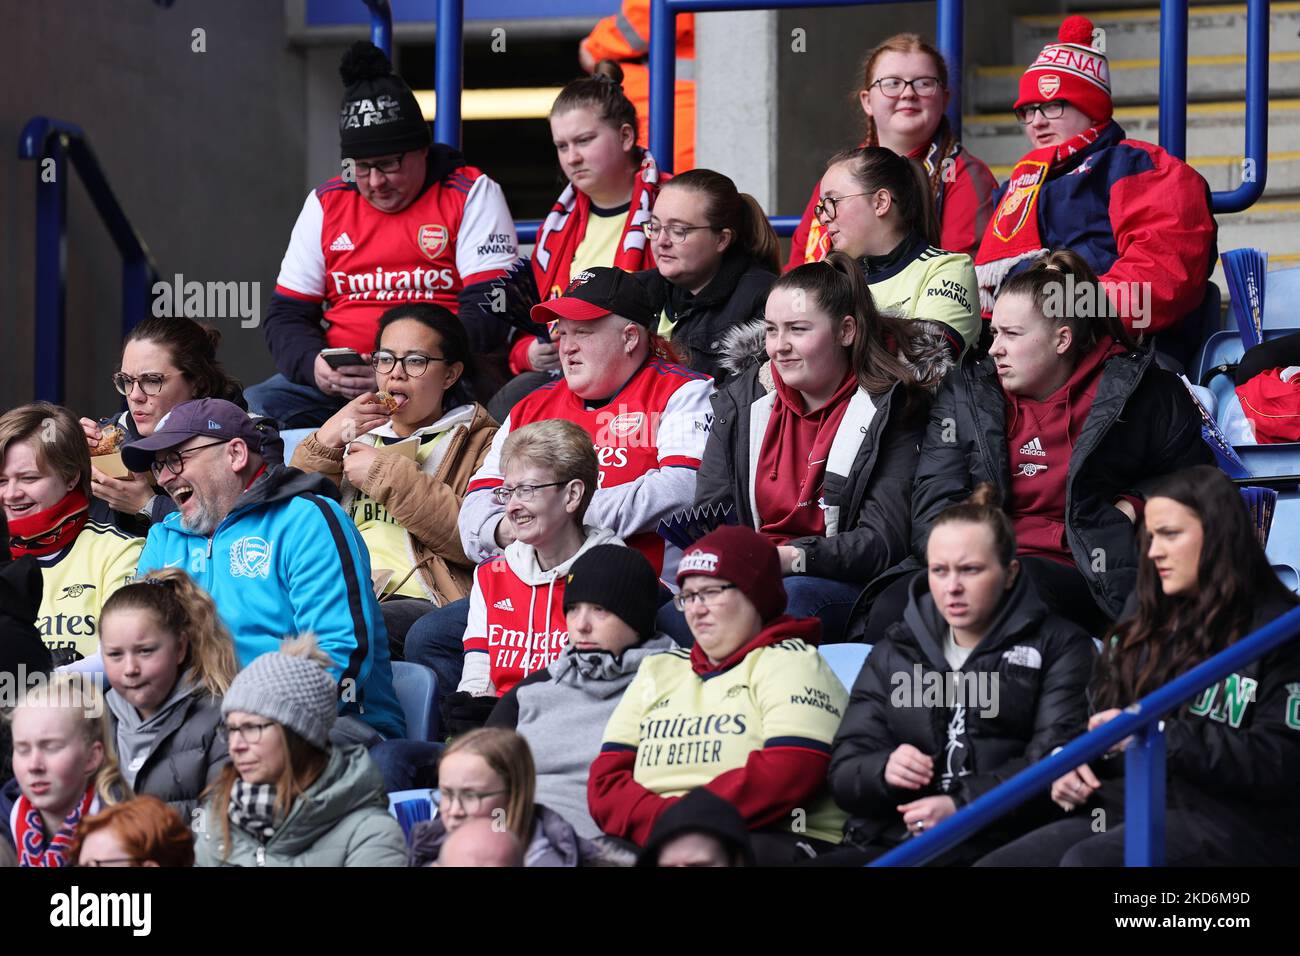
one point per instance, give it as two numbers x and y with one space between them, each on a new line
212 424
698 562
342 244
504 605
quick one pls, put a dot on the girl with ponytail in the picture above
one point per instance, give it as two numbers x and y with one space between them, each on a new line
170 661
904 94
716 258
816 448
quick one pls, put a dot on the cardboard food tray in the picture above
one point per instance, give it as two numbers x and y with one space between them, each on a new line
111 465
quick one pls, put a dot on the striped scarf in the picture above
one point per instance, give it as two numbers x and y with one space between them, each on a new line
34 848
252 808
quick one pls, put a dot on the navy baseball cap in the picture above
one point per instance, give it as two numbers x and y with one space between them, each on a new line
214 417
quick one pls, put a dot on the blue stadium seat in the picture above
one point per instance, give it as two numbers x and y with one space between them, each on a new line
845 660
291 437
417 692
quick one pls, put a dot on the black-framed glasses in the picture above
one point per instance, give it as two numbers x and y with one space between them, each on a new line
828 207
252 733
676 231
151 383
362 168
893 86
471 800
504 493
708 596
115 861
413 364
1053 110
174 461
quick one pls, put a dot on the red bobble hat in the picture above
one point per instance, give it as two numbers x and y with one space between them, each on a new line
745 558
1070 70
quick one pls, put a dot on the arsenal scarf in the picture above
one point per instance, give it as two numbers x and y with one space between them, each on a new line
50 531
567 224
34 849
1012 236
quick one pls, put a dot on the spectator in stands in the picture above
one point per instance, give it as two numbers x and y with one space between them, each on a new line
83 556
140 832
22 652
625 37
406 506
816 448
748 713
875 206
409 219
488 774
169 659
1071 423
700 829
991 681
561 711
1138 216
289 797
599 217
481 843
165 361
64 767
904 97
273 549
716 257
1233 754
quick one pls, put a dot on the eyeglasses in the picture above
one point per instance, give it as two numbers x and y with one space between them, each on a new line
252 733
828 208
676 232
413 364
150 382
503 494
116 861
174 461
470 800
386 166
706 596
893 86
1052 110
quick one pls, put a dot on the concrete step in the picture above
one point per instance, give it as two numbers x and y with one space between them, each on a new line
1135 34
1224 173
1272 226
1210 77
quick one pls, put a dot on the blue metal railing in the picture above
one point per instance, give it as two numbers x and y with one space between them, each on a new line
381 25
52 143
1144 769
449 73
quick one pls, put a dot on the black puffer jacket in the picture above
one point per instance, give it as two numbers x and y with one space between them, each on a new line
871 496
1142 425
1027 695
735 296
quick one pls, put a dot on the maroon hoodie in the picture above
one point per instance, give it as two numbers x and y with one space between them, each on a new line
1040 440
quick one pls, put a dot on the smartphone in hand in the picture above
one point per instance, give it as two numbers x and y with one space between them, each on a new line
339 358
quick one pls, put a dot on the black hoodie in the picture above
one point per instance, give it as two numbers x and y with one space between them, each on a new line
1026 694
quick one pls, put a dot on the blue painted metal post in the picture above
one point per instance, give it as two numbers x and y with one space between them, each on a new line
1173 76
449 71
1255 171
51 270
381 25
950 22
1144 798
663 81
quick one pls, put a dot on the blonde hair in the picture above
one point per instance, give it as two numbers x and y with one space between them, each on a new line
507 753
62 447
186 610
561 447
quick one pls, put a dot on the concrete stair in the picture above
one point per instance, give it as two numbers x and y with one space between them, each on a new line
1216 112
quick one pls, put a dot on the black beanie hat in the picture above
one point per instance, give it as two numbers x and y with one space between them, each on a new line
700 811
379 116
620 580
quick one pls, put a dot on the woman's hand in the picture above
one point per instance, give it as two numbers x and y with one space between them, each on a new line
92 431
357 462
1075 788
927 813
908 768
348 381
353 420
127 495
1125 507
1105 717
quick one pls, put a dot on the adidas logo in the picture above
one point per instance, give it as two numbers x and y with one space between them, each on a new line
504 605
1033 447
342 243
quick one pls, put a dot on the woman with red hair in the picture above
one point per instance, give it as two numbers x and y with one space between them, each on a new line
141 832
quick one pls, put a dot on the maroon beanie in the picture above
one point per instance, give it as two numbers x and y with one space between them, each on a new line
745 558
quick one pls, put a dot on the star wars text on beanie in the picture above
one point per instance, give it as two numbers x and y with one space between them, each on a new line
379 116
1070 70
291 686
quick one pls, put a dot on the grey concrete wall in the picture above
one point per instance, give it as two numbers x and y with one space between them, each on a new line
205 151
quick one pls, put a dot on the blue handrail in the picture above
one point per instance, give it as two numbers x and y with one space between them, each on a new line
1144 760
449 72
663 55
53 143
381 25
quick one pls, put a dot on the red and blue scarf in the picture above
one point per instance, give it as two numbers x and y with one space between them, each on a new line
34 847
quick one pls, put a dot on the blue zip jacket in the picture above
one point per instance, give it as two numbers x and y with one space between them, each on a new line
288 561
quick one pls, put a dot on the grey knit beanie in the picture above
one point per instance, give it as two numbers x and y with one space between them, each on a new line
293 690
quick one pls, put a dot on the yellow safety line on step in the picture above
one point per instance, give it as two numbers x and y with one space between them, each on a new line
496 104
1052 19
1151 63
1267 208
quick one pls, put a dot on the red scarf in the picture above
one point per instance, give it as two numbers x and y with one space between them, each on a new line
34 849
791 464
566 224
1012 235
50 531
